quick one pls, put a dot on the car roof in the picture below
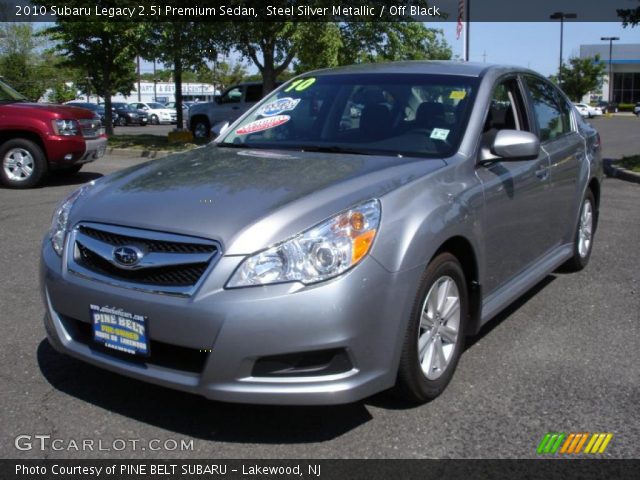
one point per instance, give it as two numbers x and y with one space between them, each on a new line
433 67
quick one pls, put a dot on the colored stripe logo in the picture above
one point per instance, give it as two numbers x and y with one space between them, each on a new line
574 443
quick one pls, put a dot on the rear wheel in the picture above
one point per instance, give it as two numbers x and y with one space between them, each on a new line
583 239
23 163
435 335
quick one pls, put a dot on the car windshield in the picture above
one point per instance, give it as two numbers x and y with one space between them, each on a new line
387 114
155 106
8 94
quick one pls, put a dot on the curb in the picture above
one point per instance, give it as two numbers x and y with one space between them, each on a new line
612 171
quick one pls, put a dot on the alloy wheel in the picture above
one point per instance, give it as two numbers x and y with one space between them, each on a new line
585 230
18 164
439 327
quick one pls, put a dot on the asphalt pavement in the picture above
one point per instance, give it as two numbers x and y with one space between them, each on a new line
562 359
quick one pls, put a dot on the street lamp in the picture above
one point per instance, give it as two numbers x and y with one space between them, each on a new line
610 40
561 16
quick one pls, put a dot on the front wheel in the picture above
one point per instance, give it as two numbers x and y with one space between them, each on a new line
435 335
23 163
154 120
122 122
201 129
583 238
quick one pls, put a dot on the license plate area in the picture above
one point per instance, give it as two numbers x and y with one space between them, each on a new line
121 331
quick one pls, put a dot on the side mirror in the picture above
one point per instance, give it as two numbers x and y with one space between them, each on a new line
515 145
219 128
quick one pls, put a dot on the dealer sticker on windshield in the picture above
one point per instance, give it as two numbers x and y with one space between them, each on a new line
439 133
263 124
277 107
120 330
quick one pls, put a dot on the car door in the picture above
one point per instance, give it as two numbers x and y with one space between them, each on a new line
565 147
515 192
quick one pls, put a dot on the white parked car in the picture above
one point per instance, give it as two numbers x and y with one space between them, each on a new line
587 111
157 112
636 109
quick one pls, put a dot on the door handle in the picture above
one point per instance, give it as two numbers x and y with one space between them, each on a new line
542 173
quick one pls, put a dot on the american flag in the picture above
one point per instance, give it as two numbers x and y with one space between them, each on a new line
460 18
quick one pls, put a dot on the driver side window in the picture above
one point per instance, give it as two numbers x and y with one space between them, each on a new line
232 96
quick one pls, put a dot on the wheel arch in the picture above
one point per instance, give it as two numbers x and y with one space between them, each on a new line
6 135
461 248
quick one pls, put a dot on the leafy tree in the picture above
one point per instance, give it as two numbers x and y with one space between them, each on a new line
61 93
274 46
629 16
581 76
102 50
183 45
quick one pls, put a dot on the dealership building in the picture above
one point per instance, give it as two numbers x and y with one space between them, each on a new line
164 92
625 67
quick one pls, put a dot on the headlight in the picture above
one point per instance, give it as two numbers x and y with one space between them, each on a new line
65 128
319 253
60 220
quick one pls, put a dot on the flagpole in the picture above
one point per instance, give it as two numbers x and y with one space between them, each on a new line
467 14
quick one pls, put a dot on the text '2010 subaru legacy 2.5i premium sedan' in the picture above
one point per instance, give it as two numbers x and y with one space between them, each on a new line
314 256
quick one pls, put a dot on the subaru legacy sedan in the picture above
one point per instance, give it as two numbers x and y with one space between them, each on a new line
314 256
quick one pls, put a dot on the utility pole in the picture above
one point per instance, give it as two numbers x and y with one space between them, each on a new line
138 68
484 57
155 82
610 40
561 16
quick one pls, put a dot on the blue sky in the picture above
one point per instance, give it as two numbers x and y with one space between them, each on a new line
535 44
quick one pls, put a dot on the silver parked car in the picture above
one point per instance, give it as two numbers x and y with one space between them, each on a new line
313 256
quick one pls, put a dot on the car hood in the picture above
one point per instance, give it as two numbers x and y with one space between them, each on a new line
59 111
244 199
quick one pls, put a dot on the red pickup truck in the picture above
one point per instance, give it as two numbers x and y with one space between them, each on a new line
36 138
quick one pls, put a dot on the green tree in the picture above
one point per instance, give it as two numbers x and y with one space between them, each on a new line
61 93
581 76
275 46
185 46
102 50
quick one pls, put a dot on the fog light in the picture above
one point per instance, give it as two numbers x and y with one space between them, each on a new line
68 157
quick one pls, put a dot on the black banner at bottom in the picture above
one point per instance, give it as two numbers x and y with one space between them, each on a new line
319 469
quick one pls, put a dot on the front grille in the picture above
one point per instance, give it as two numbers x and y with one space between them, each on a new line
167 263
117 239
180 276
91 128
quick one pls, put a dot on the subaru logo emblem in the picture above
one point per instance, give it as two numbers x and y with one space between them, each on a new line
127 256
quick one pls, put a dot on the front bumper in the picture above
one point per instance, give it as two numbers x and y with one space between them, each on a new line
362 314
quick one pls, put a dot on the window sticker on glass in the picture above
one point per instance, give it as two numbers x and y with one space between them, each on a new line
458 95
439 134
263 124
278 106
301 84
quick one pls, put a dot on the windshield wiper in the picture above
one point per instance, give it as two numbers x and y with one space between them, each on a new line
332 149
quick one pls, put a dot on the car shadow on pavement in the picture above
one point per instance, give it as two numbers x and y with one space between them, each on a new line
193 415
58 179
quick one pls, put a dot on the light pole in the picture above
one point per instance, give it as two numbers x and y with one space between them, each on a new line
610 40
561 16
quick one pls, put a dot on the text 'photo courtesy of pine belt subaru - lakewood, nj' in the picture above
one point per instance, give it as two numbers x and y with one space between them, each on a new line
341 238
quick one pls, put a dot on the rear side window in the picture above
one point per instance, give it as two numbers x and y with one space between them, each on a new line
551 111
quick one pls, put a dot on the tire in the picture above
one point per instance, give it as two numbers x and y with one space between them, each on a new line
153 120
122 122
201 128
583 238
422 374
23 163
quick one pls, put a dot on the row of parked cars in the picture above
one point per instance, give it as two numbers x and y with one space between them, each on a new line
140 113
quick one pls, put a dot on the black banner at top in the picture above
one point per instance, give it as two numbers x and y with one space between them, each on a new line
313 10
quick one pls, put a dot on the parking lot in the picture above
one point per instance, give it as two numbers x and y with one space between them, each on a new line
562 359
